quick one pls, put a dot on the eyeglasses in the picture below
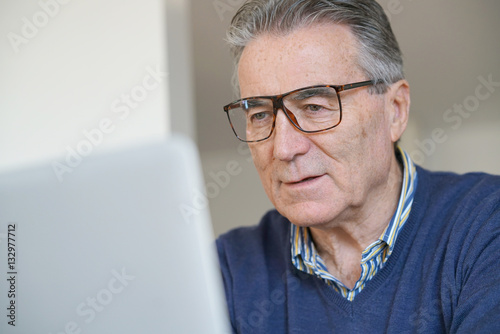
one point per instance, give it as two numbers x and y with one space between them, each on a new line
310 109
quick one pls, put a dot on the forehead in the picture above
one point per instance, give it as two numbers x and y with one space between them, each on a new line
319 54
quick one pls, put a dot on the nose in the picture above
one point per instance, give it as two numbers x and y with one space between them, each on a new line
288 141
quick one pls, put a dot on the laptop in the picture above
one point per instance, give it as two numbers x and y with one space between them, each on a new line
122 245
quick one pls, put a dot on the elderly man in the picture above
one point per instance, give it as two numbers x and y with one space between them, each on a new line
362 240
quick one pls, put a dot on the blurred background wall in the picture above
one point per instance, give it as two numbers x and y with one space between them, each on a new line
77 77
450 47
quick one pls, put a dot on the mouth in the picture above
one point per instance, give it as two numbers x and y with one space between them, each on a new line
305 180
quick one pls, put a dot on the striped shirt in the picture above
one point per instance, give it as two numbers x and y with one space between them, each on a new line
306 258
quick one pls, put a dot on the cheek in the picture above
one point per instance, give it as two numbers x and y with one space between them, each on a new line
370 125
378 129
262 158
359 141
257 155
374 143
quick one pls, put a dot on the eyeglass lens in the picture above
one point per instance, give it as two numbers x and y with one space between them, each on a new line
315 109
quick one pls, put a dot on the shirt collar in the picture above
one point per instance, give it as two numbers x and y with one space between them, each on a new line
405 200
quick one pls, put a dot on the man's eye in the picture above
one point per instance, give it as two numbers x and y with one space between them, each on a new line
258 116
313 107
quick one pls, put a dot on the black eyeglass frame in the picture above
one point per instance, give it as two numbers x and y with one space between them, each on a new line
278 104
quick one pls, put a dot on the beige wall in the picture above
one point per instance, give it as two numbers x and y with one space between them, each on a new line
450 46
77 77
67 67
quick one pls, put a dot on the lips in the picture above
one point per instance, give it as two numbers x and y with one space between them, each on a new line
305 179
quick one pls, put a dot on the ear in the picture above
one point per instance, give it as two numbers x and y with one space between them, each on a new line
398 107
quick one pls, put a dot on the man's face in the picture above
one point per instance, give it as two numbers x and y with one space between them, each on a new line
330 177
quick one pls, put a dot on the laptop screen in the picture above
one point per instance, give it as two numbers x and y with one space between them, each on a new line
122 245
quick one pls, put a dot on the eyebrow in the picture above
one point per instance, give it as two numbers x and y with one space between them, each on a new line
322 91
252 103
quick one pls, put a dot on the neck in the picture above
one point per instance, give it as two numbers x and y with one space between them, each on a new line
340 245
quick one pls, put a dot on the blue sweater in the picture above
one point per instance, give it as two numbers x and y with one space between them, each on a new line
443 276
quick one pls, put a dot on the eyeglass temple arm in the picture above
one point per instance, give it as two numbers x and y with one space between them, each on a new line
356 85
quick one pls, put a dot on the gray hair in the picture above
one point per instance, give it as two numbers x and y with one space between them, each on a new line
379 56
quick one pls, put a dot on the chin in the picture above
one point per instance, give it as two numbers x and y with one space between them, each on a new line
308 214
